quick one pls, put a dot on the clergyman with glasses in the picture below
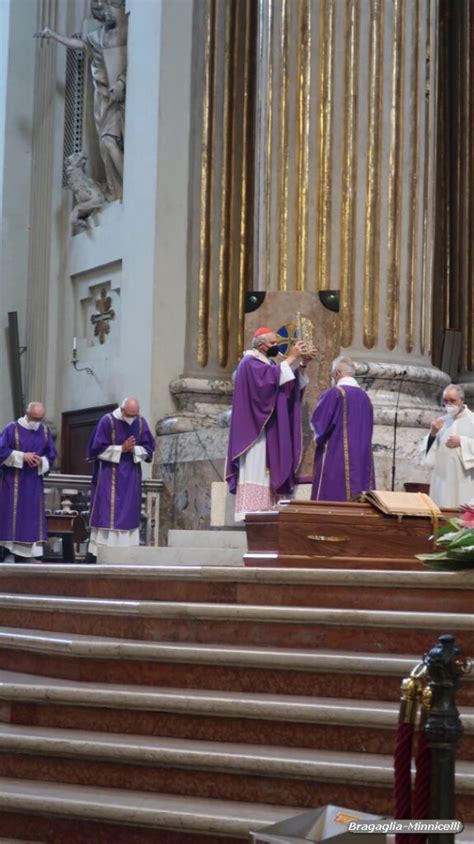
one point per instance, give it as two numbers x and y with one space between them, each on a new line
448 450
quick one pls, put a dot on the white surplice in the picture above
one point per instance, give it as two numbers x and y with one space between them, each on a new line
452 479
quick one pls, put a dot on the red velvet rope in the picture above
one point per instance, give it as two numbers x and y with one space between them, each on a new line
405 808
402 771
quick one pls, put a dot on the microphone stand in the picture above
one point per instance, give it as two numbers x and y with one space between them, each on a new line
395 424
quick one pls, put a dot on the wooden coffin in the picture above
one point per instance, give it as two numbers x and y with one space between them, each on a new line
310 534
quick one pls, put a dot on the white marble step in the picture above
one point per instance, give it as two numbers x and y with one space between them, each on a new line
252 760
160 811
208 539
243 612
143 555
28 688
108 647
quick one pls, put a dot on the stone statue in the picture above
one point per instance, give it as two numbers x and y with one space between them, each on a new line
106 48
88 195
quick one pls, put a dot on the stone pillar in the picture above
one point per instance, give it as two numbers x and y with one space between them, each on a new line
346 130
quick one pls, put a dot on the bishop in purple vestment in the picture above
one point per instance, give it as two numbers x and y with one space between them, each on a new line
119 445
27 452
343 422
265 443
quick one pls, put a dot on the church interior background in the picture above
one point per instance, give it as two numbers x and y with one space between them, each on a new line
285 148
258 159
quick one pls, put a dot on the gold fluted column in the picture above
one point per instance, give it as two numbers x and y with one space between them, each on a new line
221 226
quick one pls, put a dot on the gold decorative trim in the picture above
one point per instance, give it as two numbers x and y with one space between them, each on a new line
283 151
16 485
347 465
395 182
205 196
302 139
374 152
349 172
413 227
113 479
326 50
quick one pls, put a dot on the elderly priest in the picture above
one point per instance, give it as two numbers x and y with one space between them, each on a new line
448 450
27 452
119 445
265 444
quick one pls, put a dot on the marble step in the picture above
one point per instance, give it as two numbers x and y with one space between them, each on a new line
208 539
219 770
392 590
342 674
69 813
144 555
289 720
217 623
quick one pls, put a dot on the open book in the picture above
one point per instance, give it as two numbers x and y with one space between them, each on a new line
401 503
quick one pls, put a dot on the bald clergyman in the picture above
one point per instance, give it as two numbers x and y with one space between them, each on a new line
27 452
119 445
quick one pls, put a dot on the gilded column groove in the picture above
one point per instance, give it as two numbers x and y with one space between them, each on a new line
269 154
425 328
372 214
205 193
349 173
323 240
412 239
303 115
392 301
283 151
244 246
225 257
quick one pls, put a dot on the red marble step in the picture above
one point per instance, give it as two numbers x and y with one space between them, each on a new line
208 677
330 628
420 591
57 830
219 784
357 738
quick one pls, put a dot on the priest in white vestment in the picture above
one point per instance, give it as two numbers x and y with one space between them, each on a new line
448 450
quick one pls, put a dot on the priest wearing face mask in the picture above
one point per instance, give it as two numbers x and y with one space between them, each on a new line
118 446
448 450
27 452
265 444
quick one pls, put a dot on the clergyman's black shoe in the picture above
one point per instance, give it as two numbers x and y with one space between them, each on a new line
90 558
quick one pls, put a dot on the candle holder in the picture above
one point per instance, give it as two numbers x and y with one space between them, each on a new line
80 368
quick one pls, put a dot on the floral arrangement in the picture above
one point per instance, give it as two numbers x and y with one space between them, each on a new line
455 544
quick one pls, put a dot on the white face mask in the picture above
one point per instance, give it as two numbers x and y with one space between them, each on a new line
32 426
128 419
452 409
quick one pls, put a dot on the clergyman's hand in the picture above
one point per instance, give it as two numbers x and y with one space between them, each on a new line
129 444
31 459
436 426
453 442
296 351
46 32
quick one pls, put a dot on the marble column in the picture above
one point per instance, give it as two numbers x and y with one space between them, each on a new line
346 143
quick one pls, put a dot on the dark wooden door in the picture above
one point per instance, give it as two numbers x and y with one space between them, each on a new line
76 429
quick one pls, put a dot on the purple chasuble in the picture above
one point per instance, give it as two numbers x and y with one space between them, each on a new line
343 465
116 488
260 403
22 516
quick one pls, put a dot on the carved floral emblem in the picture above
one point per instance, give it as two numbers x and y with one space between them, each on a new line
101 320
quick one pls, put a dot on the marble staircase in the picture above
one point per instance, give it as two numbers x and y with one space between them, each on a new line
191 704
